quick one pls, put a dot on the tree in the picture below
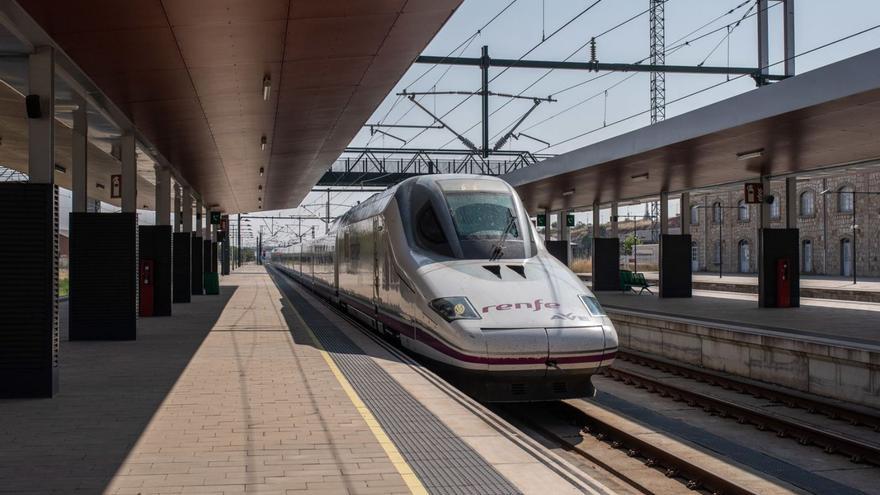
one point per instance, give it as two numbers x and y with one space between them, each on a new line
628 243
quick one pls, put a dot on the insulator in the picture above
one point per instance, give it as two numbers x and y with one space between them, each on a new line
593 59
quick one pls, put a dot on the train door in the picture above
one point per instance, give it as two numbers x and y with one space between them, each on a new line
378 230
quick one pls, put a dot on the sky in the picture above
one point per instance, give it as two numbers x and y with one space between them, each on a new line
585 109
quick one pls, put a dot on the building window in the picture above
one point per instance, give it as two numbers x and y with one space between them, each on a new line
744 257
808 204
695 257
807 256
716 212
716 258
695 215
775 209
743 211
845 199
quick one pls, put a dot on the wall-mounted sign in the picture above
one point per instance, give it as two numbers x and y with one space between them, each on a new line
215 217
542 220
116 186
754 192
569 220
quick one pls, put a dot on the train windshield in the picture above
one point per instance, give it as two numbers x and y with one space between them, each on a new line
485 219
482 215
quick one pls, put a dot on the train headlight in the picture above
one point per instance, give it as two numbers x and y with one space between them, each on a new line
455 308
592 305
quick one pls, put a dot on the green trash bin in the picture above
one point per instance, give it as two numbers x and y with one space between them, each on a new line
212 283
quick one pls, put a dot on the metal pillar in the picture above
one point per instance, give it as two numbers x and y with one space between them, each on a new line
199 231
547 235
187 215
791 206
41 131
484 92
685 213
327 218
763 40
664 213
129 173
788 33
239 238
658 57
163 196
79 158
29 265
613 233
596 230
765 206
178 220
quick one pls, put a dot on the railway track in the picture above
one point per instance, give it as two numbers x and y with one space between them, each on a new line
693 475
857 449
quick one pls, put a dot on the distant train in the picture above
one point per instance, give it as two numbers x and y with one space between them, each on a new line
452 267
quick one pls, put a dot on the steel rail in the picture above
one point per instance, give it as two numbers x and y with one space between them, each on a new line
671 465
833 411
805 434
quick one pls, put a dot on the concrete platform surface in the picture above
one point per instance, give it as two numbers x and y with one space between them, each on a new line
855 323
221 398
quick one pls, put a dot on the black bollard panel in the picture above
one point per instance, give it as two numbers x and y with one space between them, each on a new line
779 266
208 256
606 263
198 265
182 271
559 249
103 276
224 263
675 266
154 246
28 290
215 251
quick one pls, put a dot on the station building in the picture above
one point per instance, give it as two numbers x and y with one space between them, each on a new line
824 222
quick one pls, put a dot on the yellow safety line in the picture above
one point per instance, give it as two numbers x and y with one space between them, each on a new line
409 477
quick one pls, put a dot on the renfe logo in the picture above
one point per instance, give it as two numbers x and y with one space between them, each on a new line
535 306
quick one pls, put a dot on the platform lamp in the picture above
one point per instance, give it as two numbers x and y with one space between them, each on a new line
854 226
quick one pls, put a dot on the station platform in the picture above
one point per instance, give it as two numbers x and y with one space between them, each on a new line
263 390
818 287
827 348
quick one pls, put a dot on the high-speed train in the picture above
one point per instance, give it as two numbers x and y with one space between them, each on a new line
452 267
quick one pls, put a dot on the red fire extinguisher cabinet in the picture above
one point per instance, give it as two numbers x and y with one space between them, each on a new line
145 284
783 283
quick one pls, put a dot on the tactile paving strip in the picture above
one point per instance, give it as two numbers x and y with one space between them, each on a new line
443 462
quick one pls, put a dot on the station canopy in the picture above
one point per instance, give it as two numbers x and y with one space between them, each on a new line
191 75
820 119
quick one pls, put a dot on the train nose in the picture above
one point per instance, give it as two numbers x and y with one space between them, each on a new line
546 348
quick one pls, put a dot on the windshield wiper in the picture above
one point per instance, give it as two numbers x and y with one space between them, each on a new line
498 249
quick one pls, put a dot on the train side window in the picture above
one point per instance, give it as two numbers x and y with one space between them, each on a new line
430 233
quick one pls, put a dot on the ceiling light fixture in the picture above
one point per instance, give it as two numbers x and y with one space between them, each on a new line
639 177
263 143
261 171
59 168
260 187
99 185
267 86
748 155
569 192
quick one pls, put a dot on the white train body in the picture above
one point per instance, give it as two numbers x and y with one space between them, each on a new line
452 266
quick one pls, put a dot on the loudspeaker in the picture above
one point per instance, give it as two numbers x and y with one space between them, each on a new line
32 103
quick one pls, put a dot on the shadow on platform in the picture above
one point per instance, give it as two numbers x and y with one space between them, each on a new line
109 392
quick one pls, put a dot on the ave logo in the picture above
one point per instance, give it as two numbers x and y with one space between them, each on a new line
570 317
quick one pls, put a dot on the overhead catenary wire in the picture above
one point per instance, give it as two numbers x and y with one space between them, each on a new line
713 86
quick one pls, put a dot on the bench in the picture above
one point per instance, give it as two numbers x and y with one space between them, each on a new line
629 281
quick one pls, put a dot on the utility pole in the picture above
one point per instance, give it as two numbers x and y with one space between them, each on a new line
239 240
327 219
658 57
484 92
